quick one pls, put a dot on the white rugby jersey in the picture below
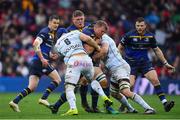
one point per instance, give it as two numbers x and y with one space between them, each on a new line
69 44
113 58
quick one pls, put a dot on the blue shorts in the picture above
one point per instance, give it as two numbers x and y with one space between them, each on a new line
36 68
140 67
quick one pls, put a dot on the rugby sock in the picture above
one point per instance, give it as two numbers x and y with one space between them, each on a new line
21 95
125 102
96 87
83 93
71 98
94 98
106 91
49 89
61 101
138 99
160 93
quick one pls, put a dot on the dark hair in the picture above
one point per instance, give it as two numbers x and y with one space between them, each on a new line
53 17
77 13
140 19
102 23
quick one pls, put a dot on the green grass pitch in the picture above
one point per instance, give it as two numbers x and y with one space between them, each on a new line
30 109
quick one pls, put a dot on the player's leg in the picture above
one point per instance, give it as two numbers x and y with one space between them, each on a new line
33 82
124 87
55 107
152 76
83 93
132 78
122 75
53 85
101 78
72 76
115 93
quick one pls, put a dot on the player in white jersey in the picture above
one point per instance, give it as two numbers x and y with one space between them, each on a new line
120 72
78 62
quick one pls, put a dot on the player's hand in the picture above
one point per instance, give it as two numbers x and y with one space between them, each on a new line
170 67
44 62
98 48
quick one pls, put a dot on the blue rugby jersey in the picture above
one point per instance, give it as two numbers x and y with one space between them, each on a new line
136 46
49 39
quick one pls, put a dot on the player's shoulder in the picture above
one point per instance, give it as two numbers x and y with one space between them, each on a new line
44 30
148 33
71 28
131 32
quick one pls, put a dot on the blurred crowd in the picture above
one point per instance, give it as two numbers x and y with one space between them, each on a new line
21 20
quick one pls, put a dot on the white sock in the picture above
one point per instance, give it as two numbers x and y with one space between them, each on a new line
138 99
97 87
125 102
71 98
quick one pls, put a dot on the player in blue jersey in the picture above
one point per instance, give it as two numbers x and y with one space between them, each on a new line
40 63
136 44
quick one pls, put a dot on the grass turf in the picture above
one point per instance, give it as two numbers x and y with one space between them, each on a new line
30 109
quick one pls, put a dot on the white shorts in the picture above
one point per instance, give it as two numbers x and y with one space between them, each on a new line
78 65
121 72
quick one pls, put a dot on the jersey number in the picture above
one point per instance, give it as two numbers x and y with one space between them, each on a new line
67 41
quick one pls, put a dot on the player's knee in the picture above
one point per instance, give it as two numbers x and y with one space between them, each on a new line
155 82
69 87
104 83
124 83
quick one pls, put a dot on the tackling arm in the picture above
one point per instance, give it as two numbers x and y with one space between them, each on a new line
89 41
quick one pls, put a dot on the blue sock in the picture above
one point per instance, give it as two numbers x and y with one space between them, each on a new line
61 101
106 91
160 93
95 96
21 95
83 93
49 89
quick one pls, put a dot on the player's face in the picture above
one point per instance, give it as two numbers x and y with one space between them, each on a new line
140 27
54 23
78 21
99 31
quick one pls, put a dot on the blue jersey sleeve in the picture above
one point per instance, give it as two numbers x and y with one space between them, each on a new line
60 32
153 42
87 31
124 40
43 35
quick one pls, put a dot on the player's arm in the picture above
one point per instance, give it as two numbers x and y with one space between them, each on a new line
36 45
122 43
160 55
89 41
121 48
103 52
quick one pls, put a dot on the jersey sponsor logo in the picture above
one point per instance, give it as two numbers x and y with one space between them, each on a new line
73 47
135 39
81 63
146 39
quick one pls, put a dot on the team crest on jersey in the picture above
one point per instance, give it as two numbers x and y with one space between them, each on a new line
135 39
146 39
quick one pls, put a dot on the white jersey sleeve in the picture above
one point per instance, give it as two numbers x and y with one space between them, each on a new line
113 58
